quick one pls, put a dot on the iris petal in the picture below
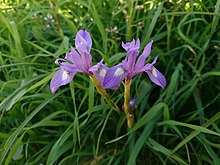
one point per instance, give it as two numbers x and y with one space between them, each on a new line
99 70
113 77
75 58
141 60
61 77
83 44
156 76
83 41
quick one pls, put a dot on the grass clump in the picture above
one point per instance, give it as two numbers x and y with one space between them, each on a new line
177 125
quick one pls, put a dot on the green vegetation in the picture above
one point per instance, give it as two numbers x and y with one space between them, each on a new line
177 125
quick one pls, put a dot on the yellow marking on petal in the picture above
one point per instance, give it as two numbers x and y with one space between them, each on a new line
102 72
65 75
119 72
154 72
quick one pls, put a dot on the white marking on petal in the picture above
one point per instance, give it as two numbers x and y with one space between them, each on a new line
154 72
102 72
119 72
65 75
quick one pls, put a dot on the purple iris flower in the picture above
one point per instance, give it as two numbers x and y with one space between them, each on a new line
77 61
129 67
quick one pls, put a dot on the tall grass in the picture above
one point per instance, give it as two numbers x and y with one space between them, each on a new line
177 125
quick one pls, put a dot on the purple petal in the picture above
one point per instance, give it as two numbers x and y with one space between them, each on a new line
61 77
141 60
126 46
155 76
99 70
113 77
83 41
75 58
95 68
69 67
130 59
87 60
83 44
155 60
130 45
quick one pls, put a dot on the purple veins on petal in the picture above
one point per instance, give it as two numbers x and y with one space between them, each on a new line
69 67
114 76
61 77
75 58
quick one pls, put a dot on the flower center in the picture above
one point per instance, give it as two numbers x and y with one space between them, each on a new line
102 72
119 72
154 72
65 75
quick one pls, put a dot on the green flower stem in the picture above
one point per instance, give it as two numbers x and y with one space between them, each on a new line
128 112
103 93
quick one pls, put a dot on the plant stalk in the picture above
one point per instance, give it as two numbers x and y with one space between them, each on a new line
104 93
128 111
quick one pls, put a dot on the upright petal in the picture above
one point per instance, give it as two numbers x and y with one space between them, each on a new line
114 76
83 44
155 75
83 41
61 77
132 49
87 60
141 60
130 59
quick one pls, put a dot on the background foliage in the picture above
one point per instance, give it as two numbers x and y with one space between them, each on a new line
177 125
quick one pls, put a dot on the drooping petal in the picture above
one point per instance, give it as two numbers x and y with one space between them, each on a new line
75 58
99 70
141 60
114 76
156 76
61 77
